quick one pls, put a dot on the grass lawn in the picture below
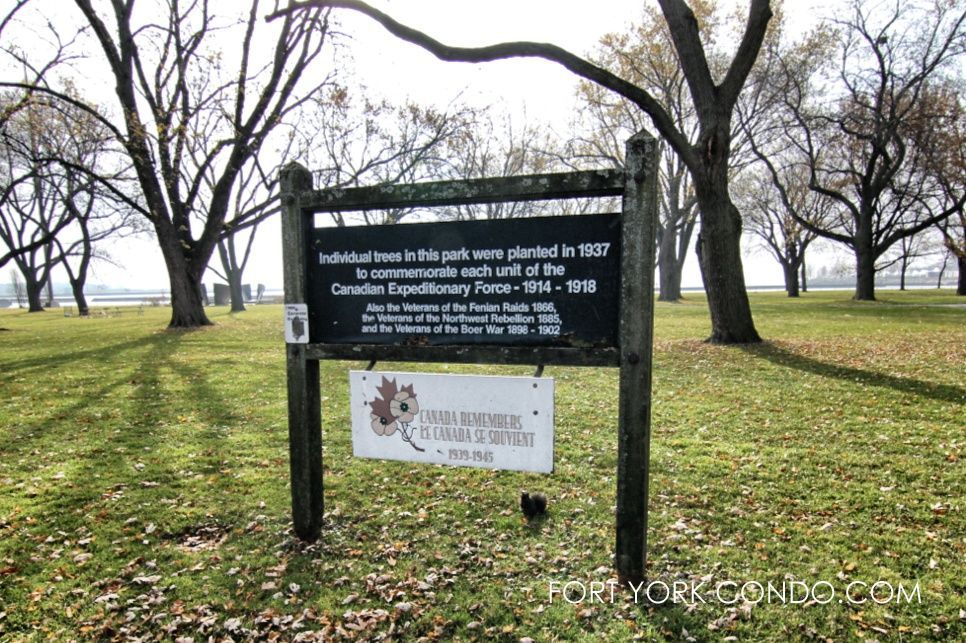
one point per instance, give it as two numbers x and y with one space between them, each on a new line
144 488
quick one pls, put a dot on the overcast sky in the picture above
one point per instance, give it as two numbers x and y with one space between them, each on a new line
397 70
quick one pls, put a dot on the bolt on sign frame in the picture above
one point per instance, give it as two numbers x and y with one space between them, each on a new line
636 184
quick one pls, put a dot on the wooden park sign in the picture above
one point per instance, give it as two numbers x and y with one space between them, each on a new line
565 290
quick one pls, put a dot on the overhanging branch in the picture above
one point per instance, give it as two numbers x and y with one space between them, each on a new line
502 51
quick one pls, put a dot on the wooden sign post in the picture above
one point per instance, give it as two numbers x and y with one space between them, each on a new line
543 291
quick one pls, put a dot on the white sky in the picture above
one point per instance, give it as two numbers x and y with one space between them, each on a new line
399 70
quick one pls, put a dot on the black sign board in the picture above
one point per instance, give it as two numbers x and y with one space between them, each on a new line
546 281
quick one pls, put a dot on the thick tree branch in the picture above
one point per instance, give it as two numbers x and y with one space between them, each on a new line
48 235
683 27
759 14
580 67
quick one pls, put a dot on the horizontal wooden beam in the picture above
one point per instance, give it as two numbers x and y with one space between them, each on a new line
467 354
534 187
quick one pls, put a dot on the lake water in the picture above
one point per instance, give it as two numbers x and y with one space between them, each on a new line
162 298
128 298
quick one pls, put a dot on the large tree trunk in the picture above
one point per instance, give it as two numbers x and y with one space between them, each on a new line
791 278
803 271
961 285
668 266
235 287
719 243
719 254
78 279
864 274
670 281
35 291
790 265
187 307
77 288
864 260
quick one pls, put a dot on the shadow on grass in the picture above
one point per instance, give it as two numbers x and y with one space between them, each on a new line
49 361
130 459
56 421
140 404
784 357
118 435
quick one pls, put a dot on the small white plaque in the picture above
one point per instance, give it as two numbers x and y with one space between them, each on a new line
296 324
464 420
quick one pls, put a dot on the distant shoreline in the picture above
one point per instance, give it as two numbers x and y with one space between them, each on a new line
162 297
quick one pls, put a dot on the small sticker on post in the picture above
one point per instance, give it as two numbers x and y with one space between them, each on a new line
296 324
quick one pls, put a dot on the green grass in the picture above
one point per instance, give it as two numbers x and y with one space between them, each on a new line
144 486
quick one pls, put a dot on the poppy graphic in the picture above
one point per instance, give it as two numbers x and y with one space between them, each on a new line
382 426
404 406
394 410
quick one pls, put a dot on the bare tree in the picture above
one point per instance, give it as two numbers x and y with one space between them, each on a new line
254 202
176 96
96 215
954 238
94 192
773 216
908 251
706 155
33 74
945 256
70 159
33 212
946 162
867 130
